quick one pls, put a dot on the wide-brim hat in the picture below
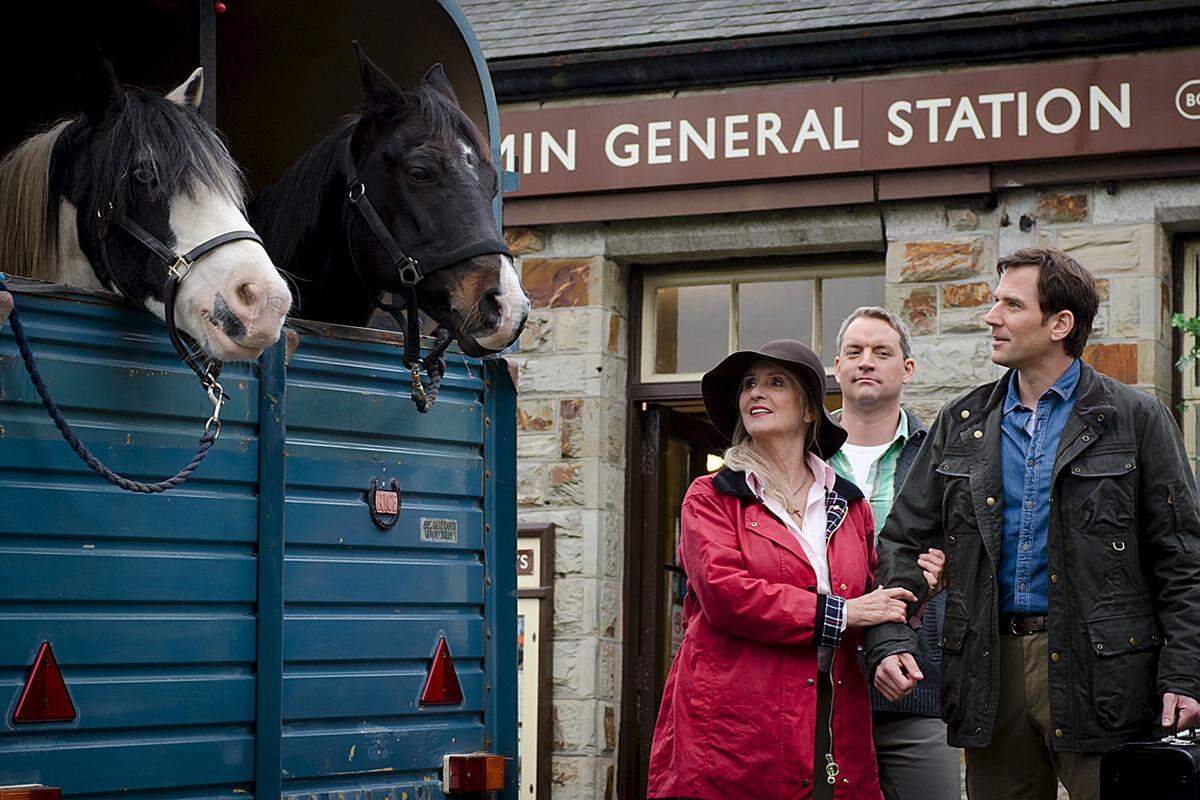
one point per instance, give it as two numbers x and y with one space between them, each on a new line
720 386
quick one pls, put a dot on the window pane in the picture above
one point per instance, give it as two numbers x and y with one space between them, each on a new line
691 327
774 310
840 296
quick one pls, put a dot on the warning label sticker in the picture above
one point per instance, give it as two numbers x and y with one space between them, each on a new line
439 530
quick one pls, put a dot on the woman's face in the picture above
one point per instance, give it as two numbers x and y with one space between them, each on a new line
772 404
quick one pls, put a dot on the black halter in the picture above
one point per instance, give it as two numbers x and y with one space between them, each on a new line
407 272
178 267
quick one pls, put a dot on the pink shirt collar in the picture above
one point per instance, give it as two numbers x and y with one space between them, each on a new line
823 473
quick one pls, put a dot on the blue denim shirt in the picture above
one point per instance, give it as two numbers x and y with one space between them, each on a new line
1026 462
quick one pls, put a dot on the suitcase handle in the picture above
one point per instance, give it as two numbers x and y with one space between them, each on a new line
1176 736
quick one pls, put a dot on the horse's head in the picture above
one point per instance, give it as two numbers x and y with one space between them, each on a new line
430 177
153 160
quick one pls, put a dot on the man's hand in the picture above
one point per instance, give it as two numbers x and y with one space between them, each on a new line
896 676
6 306
1187 709
932 564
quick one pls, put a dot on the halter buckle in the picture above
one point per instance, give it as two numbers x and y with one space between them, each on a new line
357 190
410 271
180 268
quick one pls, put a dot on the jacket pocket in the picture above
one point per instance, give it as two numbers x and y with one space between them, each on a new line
958 512
1103 490
953 667
1124 660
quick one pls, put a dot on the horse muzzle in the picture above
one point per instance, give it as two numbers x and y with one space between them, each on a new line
248 321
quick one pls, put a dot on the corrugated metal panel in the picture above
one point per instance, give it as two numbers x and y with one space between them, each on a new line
156 606
148 601
364 609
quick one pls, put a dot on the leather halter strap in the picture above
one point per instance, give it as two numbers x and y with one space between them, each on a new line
407 271
178 267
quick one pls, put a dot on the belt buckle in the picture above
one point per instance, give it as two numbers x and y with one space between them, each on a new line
1012 626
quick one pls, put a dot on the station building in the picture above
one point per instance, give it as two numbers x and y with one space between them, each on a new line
699 177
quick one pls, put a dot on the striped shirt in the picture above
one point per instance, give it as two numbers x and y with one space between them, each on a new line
882 478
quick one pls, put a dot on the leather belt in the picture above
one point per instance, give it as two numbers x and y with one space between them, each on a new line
1022 624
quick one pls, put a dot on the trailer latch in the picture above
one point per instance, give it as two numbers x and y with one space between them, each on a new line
473 772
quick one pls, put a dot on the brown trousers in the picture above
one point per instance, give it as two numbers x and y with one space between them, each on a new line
1020 763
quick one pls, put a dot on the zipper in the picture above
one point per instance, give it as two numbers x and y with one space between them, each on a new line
831 766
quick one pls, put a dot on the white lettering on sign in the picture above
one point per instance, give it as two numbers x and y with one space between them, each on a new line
548 145
665 141
443 531
1056 111
945 119
629 156
706 144
733 135
900 123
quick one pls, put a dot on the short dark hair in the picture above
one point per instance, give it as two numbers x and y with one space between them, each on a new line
1063 285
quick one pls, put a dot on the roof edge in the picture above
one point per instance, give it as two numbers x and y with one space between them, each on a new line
1020 36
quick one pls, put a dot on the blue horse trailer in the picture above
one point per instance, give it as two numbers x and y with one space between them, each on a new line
257 631
280 625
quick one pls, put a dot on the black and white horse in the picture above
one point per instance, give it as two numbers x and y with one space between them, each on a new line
426 170
152 160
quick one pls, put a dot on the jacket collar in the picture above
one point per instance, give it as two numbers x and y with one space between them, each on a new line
1092 401
915 426
838 499
733 482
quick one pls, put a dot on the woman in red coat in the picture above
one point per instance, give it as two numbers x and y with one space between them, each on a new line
765 698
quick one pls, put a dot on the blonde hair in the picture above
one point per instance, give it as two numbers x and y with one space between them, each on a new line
743 456
27 232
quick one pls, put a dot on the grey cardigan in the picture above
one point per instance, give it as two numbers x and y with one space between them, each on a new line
925 699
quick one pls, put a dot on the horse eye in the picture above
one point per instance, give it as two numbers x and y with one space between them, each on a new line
419 174
145 174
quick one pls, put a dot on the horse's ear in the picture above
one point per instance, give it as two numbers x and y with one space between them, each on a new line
191 91
381 91
435 78
102 95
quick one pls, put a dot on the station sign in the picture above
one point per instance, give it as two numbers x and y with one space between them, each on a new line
1091 107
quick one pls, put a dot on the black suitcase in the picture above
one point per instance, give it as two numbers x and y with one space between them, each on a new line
1168 769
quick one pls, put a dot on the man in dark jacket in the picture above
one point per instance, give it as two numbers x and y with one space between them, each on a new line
873 364
1068 513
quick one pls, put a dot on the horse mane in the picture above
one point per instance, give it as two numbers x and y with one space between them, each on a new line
187 152
287 212
27 231
446 119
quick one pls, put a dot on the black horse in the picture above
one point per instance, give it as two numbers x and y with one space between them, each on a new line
425 174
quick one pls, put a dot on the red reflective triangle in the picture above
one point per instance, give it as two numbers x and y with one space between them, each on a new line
442 687
45 698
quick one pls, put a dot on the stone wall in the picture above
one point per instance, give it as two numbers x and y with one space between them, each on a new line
941 267
571 379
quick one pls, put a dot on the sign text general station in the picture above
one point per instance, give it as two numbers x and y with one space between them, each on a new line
1017 113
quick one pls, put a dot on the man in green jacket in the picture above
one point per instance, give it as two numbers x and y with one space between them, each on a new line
1068 513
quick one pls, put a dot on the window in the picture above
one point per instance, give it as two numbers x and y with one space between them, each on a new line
690 321
1190 378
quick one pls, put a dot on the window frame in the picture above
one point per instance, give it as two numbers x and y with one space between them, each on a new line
653 281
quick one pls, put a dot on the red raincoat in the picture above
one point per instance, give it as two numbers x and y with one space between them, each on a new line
738 715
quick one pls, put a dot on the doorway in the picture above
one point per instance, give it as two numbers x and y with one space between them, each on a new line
675 445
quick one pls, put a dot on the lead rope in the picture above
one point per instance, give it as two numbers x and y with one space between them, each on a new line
212 428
